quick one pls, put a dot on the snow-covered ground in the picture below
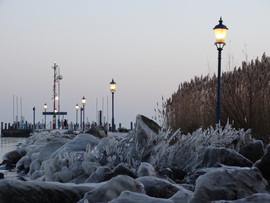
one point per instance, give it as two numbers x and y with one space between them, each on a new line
147 164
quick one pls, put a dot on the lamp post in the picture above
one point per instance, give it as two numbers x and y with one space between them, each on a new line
83 103
220 35
34 115
112 89
81 118
77 108
45 109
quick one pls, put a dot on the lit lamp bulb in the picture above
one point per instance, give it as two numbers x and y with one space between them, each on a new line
112 86
83 101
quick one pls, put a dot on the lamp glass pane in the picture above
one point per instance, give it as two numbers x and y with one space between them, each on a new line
220 34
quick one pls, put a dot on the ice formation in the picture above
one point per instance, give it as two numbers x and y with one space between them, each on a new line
146 164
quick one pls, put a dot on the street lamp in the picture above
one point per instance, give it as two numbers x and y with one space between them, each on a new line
77 108
45 109
112 89
83 103
220 35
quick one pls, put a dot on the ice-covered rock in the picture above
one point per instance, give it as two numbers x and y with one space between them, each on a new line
14 191
12 157
264 163
99 175
146 169
213 155
112 189
160 188
253 151
97 131
229 184
134 197
256 198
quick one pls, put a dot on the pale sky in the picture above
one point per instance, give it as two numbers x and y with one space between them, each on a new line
149 47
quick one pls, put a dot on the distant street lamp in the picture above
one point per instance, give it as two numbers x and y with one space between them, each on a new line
112 89
77 108
45 109
83 103
220 35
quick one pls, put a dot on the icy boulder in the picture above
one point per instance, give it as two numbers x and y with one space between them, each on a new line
256 198
146 131
156 187
134 197
11 158
65 163
112 189
14 191
97 131
229 184
264 163
253 151
213 155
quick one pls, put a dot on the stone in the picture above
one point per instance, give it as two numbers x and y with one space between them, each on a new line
14 191
160 188
256 198
112 189
264 163
228 184
121 169
146 130
253 151
213 155
97 131
146 169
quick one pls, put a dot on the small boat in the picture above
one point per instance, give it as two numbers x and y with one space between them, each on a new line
16 132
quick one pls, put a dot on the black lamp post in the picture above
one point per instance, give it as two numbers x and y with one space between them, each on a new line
77 108
112 89
45 109
220 34
81 110
34 115
83 103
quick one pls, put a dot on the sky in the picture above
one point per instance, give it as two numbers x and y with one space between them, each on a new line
148 47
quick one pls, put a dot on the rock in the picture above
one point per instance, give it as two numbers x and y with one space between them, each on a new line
253 151
229 184
79 143
134 197
51 147
99 175
146 130
213 155
191 177
146 169
12 157
112 189
14 191
97 131
256 198
264 163
121 169
156 187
